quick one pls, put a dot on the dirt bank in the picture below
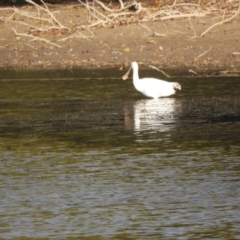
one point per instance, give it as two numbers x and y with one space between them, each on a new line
172 43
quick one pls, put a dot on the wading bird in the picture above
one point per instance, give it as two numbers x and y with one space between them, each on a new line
152 87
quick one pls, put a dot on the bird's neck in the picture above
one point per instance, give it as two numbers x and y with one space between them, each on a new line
135 75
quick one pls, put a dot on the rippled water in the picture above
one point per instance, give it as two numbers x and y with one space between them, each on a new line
93 159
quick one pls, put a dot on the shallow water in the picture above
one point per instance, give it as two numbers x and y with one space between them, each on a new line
93 159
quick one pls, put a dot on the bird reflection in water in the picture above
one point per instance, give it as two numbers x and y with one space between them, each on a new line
156 115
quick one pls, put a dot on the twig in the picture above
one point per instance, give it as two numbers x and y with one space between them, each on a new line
221 22
113 13
168 76
46 9
66 38
104 7
26 14
189 19
155 34
36 38
145 27
202 54
121 4
30 46
174 3
183 15
34 27
190 70
76 35
94 15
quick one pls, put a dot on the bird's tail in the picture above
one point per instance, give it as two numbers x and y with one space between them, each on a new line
177 86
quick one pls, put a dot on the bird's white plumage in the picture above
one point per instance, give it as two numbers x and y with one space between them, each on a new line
152 87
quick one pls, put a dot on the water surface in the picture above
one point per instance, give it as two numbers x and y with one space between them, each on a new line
93 159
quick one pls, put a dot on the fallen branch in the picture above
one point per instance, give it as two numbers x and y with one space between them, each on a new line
236 53
174 3
155 34
168 76
190 70
26 14
55 24
221 22
34 27
94 10
145 27
183 15
36 38
104 15
112 14
46 9
202 54
189 19
77 34
104 7
121 4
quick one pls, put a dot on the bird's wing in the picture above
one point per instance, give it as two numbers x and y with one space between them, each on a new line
156 87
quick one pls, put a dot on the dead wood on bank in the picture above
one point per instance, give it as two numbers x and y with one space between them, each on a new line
41 21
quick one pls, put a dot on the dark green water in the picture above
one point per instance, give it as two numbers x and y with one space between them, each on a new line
93 159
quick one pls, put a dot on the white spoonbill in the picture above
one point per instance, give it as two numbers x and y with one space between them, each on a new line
152 87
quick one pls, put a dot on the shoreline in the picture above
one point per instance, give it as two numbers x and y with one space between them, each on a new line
174 44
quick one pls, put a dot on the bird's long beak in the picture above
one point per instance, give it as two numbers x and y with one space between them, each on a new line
125 77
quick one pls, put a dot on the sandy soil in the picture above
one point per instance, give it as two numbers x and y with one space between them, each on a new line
173 43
